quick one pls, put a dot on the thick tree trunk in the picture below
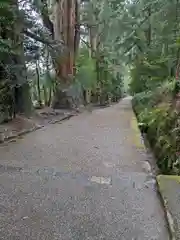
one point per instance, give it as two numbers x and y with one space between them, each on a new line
65 29
23 102
66 19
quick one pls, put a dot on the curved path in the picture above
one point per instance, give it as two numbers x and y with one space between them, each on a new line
83 179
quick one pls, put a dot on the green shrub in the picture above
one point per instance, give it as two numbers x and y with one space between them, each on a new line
157 116
161 122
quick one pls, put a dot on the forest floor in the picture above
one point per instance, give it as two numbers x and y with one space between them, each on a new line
87 178
40 118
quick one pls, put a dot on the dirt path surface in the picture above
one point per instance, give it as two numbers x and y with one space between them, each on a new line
83 179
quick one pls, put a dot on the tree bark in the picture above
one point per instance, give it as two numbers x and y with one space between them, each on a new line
38 85
66 28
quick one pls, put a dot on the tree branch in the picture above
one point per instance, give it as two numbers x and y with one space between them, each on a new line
86 43
38 38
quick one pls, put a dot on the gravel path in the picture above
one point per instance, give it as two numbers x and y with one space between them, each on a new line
82 179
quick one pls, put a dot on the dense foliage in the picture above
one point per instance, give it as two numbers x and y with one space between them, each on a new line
155 77
158 119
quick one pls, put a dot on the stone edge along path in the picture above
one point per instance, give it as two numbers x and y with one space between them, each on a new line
170 197
67 116
37 127
139 142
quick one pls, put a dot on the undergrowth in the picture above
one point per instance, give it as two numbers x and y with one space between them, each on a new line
159 120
